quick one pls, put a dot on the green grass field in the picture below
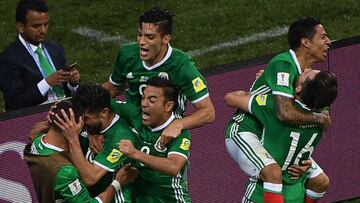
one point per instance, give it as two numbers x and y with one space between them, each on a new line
199 25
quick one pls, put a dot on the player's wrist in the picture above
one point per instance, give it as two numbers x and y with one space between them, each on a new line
116 185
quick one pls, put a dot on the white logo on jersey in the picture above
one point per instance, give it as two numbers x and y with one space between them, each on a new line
75 187
144 79
129 75
283 79
164 75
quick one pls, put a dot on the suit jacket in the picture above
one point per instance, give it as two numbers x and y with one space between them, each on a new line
19 74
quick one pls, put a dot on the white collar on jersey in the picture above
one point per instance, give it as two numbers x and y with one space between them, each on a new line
168 54
164 125
296 60
116 118
33 47
50 146
302 105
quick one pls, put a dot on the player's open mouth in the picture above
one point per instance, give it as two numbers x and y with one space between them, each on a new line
143 51
145 115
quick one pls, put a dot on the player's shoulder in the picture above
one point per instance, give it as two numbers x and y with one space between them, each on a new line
283 56
129 50
68 171
179 56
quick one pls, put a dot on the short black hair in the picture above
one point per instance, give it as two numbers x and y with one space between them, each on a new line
29 5
160 17
94 98
66 105
302 28
321 91
170 92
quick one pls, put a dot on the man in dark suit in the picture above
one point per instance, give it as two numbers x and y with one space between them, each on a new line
32 71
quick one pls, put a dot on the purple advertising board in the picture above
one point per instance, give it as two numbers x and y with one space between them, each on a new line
213 176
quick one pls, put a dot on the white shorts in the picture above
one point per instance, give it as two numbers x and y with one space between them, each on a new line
248 152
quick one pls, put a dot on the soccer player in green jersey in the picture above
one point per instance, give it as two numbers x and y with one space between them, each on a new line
309 43
287 144
163 172
54 176
152 56
99 119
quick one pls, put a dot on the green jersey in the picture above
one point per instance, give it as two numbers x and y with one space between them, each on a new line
176 66
287 144
68 185
279 78
110 158
151 185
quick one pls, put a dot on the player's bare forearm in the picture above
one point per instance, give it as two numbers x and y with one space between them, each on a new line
170 165
238 99
204 114
88 172
108 195
287 112
111 88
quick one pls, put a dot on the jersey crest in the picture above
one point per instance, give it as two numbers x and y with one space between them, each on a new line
164 75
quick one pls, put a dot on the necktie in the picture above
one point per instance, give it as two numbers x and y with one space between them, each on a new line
46 67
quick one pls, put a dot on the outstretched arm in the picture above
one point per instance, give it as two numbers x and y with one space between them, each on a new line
204 114
287 112
170 165
238 99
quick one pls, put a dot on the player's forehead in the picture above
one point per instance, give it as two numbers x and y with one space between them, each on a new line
148 28
152 91
319 30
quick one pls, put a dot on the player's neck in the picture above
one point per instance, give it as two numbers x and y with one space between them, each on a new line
305 59
159 57
57 139
108 120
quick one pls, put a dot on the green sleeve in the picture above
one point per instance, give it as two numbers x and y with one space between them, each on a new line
69 186
263 108
110 158
191 82
281 76
181 145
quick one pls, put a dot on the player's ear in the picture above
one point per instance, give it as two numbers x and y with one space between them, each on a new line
166 39
305 42
169 106
298 89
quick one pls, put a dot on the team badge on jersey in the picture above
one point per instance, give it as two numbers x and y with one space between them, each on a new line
261 99
159 147
164 75
283 79
185 144
198 84
75 187
114 156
